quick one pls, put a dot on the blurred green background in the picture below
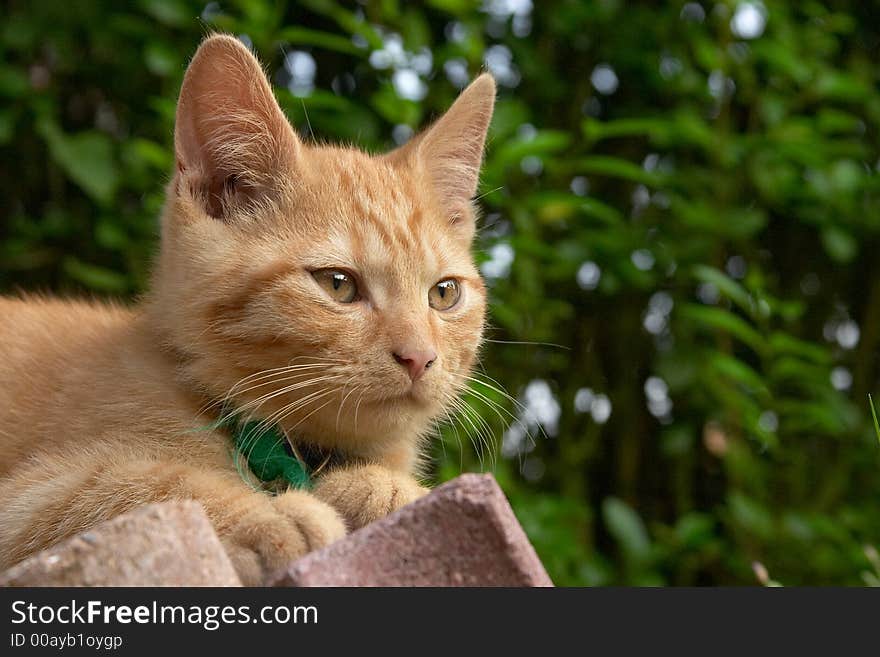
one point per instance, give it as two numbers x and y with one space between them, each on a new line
683 196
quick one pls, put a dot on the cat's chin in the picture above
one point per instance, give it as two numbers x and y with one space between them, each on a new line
414 397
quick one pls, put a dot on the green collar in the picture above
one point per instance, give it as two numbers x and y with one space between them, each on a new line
270 454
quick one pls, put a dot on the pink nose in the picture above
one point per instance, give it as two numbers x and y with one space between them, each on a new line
416 362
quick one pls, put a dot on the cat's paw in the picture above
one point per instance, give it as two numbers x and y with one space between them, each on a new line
271 535
318 523
364 493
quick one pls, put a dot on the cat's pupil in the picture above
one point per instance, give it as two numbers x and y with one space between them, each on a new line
337 281
442 290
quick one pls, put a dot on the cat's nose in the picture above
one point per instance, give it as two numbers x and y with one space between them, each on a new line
416 362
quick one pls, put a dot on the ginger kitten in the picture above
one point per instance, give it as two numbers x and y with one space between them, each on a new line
326 291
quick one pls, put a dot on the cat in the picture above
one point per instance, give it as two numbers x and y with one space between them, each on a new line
317 287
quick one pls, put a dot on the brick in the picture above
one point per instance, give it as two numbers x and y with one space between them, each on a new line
463 534
168 544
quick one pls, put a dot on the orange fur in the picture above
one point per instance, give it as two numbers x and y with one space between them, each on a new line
103 407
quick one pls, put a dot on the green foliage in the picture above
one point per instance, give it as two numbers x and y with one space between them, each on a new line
691 207
874 417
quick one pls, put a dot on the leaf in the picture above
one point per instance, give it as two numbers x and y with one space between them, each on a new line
13 82
615 167
811 417
395 109
148 153
87 159
719 319
726 286
839 244
603 212
625 525
840 85
111 236
874 416
7 126
832 122
456 7
845 176
749 514
302 36
95 277
553 206
797 372
702 215
783 60
170 12
684 128
595 130
738 371
694 529
540 143
351 22
508 116
784 343
161 59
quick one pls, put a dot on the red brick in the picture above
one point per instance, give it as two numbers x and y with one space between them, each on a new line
463 534
170 544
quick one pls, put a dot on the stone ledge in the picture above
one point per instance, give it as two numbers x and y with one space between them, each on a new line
169 544
463 534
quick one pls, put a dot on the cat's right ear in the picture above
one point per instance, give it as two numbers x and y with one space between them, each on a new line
232 141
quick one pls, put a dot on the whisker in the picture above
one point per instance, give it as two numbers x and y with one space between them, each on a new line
526 342
438 432
295 405
292 365
356 409
491 191
275 371
494 406
342 403
325 404
457 437
461 414
273 379
486 434
255 404
285 389
257 376
525 411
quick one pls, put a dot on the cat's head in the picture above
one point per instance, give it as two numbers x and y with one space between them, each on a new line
321 286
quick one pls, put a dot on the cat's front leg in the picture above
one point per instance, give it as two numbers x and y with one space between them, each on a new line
51 499
364 493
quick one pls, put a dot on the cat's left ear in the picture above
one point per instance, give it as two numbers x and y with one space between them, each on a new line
451 150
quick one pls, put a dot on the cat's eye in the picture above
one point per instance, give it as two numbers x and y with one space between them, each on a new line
445 294
339 285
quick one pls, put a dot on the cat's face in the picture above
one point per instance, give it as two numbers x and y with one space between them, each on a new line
320 287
